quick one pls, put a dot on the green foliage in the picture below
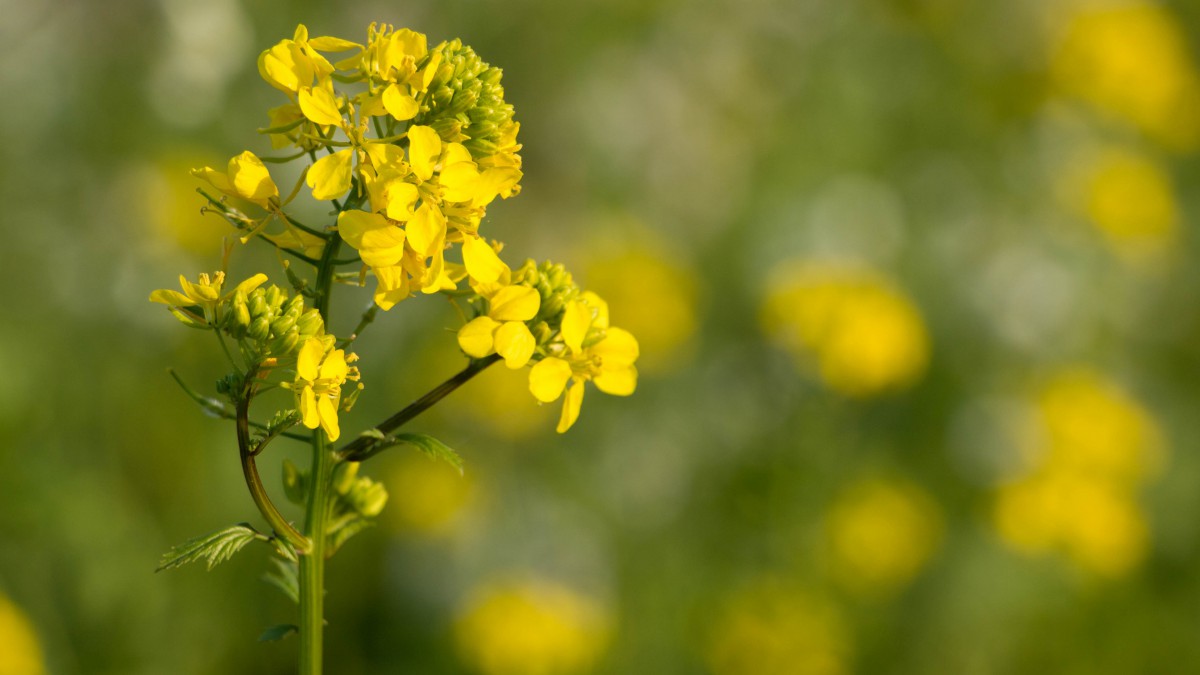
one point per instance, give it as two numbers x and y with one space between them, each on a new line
284 576
431 447
214 548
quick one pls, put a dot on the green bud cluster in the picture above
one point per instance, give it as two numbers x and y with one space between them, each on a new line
358 494
555 286
465 103
272 323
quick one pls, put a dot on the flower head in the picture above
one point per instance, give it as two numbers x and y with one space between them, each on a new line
205 294
320 373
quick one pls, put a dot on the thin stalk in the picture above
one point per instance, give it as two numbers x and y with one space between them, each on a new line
312 563
253 481
366 446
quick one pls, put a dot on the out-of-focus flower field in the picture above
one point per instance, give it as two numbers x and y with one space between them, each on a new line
917 290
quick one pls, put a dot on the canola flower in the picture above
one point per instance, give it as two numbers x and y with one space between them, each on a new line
881 533
860 333
530 628
22 652
1079 496
1131 61
411 145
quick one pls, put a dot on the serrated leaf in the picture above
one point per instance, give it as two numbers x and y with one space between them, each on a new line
433 448
277 633
285 577
214 548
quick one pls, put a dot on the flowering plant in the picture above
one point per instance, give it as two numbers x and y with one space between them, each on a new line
410 145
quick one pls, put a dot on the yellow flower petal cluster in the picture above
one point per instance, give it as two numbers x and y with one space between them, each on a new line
1079 496
321 371
245 177
22 652
530 628
205 294
862 334
424 188
1131 60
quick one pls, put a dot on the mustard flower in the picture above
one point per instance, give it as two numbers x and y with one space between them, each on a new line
320 374
245 177
205 294
502 330
608 362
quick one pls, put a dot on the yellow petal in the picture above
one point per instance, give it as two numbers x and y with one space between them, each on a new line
571 405
399 104
369 104
597 303
173 298
372 236
319 105
475 338
334 367
249 178
460 182
548 377
401 200
481 260
285 67
515 343
618 348
424 148
308 408
493 182
329 177
393 286
327 411
251 283
383 155
427 230
515 303
215 178
618 381
575 323
328 43
309 359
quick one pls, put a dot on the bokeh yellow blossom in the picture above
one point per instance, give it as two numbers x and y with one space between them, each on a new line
773 629
881 534
1131 61
166 194
861 333
1129 197
1079 496
530 628
20 650
656 294
435 494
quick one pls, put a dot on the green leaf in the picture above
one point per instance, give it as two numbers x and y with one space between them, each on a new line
213 548
277 633
352 527
432 447
285 577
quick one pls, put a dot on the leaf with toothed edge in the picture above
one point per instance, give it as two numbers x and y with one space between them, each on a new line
214 548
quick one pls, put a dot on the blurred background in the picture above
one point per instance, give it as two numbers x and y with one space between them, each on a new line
915 285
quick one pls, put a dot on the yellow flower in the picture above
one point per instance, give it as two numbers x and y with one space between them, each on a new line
330 177
293 64
206 294
864 335
1079 498
245 177
881 534
608 362
320 374
1132 60
21 654
502 329
1129 198
530 628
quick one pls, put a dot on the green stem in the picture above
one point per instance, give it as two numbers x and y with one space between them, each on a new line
312 563
258 492
367 445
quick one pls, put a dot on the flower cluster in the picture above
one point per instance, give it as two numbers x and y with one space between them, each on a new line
537 314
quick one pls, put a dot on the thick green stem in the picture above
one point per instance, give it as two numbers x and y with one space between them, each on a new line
312 564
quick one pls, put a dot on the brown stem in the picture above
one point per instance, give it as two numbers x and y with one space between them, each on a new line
258 491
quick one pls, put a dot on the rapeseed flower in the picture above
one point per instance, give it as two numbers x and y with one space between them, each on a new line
320 373
205 294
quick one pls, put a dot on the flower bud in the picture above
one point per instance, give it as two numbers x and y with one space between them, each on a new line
260 328
344 475
367 497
